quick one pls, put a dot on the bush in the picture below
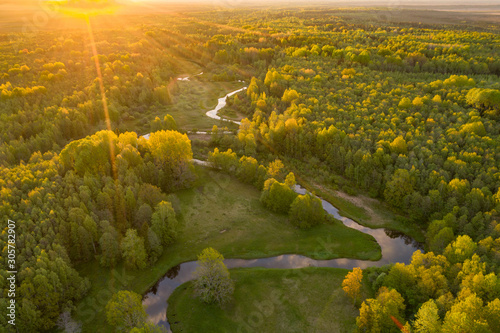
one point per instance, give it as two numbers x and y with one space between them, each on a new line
306 211
277 196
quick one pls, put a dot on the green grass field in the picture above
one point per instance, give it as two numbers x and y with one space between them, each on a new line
190 102
219 202
270 300
233 115
194 98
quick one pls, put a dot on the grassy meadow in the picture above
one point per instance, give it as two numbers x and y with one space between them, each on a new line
270 300
218 202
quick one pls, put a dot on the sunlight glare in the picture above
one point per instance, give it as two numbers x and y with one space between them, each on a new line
85 8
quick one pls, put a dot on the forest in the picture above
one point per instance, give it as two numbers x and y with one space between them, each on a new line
403 114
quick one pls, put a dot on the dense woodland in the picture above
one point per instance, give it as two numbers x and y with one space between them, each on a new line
406 113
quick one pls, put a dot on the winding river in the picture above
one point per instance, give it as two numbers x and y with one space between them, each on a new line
222 103
396 247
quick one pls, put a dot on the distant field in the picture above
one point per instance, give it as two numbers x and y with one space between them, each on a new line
428 15
31 16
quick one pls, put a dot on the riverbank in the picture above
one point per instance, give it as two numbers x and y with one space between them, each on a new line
369 212
221 212
395 248
271 300
366 211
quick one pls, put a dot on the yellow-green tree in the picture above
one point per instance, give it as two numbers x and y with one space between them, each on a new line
306 211
125 311
376 315
427 318
277 196
398 187
172 153
352 283
170 148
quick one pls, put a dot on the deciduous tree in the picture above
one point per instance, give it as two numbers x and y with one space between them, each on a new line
124 311
164 223
133 251
212 280
352 283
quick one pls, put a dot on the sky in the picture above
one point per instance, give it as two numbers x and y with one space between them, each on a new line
380 2
305 2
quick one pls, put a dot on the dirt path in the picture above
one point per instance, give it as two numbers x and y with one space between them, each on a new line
375 219
366 203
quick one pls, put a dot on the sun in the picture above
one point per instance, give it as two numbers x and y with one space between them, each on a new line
85 8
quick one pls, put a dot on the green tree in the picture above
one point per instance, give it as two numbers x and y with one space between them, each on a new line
277 196
484 98
439 242
154 247
133 251
405 103
110 249
214 135
459 250
247 169
124 311
29 317
465 316
143 215
156 125
162 94
164 223
169 123
399 146
398 188
226 161
306 211
212 280
491 314
290 180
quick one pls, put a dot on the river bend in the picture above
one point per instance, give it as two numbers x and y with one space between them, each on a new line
395 246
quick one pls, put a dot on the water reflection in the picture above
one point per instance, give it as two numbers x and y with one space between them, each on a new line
222 103
173 272
407 239
396 247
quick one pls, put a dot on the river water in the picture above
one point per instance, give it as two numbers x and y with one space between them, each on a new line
396 247
221 102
